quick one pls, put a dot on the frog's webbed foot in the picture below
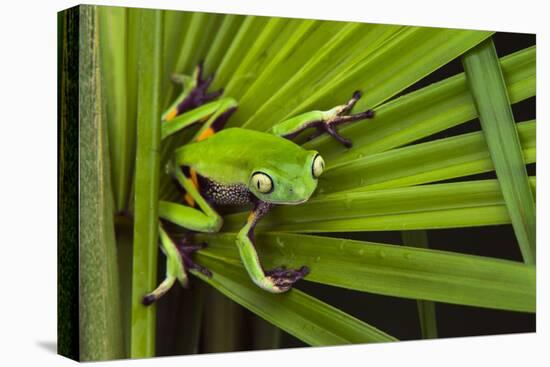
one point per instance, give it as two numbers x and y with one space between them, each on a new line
283 278
198 90
338 116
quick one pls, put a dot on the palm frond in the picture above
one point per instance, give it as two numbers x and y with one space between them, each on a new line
276 68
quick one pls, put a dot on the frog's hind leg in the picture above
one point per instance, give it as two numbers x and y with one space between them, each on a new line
201 219
196 105
212 116
217 121
191 174
178 263
194 94
174 268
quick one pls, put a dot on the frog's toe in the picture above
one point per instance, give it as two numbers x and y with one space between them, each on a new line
197 267
336 135
189 249
283 278
148 299
186 249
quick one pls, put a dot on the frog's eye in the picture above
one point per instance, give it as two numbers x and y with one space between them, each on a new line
318 166
262 182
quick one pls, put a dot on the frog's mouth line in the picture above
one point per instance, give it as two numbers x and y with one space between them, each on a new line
291 202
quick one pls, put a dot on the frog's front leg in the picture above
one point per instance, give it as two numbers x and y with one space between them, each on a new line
278 280
322 121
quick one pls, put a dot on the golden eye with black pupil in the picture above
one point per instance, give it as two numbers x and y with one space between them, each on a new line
318 166
262 182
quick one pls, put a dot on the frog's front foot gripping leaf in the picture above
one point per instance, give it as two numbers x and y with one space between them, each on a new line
338 116
282 278
278 280
178 264
323 121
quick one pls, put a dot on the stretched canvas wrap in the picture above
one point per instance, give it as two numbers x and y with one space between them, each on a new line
235 183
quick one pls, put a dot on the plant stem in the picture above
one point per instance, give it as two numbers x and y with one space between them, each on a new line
426 309
147 182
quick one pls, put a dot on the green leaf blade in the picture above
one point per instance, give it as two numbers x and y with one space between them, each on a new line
399 271
449 205
497 121
267 44
296 52
314 322
198 36
227 30
437 160
250 27
326 66
113 34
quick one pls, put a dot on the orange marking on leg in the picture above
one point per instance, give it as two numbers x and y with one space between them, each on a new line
189 199
171 114
251 217
194 178
205 134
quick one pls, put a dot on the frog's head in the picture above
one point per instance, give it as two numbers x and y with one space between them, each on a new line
291 181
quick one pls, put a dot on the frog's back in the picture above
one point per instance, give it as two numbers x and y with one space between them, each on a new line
231 155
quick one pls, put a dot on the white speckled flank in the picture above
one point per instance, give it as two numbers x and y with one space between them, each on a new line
227 194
